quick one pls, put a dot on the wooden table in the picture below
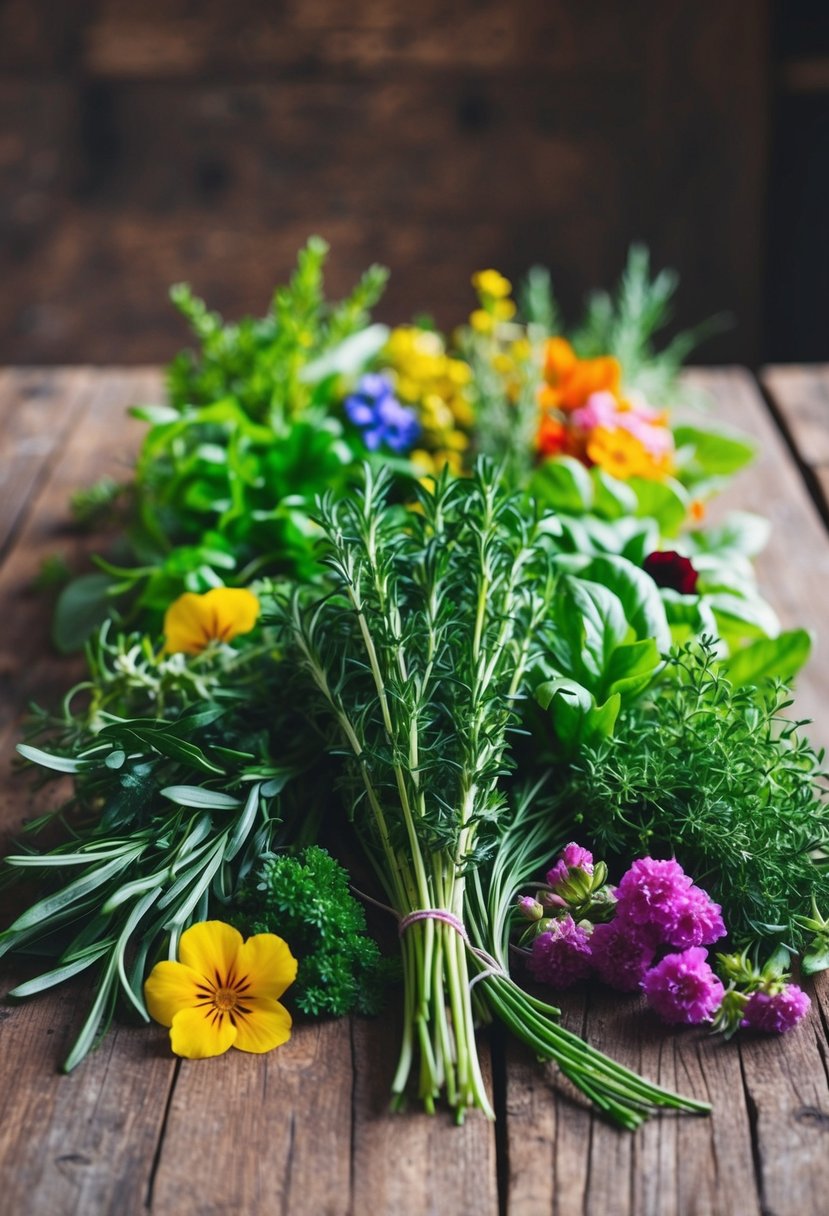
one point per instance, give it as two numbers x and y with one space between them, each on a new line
305 1130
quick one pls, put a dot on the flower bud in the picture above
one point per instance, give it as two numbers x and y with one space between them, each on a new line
530 908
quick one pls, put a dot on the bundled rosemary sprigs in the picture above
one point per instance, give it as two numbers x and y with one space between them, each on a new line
419 653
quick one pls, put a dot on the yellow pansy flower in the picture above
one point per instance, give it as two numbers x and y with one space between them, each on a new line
224 992
193 621
491 283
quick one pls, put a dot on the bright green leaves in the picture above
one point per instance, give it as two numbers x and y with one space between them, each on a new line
778 658
706 454
604 648
565 485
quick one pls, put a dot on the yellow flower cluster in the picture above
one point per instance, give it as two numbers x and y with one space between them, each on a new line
494 293
435 385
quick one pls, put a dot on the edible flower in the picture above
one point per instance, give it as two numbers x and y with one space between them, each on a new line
193 621
776 1012
683 988
670 569
382 419
570 381
224 992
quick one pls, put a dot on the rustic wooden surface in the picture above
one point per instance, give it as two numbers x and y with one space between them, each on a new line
305 1130
142 143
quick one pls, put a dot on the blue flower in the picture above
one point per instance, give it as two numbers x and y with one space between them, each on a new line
374 408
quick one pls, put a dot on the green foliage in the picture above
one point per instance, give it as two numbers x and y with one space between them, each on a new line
719 776
625 324
603 649
306 900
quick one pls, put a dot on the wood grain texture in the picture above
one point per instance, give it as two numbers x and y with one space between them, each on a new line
800 396
793 569
144 144
74 429
306 1130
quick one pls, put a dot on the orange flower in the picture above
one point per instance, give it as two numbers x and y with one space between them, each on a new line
551 439
571 380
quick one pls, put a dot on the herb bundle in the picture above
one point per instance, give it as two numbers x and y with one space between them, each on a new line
420 652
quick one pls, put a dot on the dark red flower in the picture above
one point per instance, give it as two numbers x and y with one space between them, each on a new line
670 569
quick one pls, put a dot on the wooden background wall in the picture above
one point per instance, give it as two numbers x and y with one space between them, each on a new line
148 141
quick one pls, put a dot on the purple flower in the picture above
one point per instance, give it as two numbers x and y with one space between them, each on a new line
683 988
561 955
778 1013
619 959
571 857
374 408
648 899
698 920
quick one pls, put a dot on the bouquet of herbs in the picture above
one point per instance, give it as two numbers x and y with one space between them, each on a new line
331 611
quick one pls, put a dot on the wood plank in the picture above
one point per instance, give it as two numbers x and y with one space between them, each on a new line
32 430
793 570
800 392
800 395
564 1159
415 1164
307 1130
261 1134
83 1143
101 440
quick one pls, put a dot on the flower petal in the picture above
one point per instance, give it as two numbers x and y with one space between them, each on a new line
267 1025
266 962
187 625
169 988
198 1034
233 610
210 948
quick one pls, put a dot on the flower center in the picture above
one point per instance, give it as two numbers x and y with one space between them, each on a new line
225 999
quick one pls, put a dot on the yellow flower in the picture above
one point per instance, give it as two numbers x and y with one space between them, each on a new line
491 283
482 322
192 621
224 992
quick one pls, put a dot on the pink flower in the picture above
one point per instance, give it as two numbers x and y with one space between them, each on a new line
648 898
600 409
571 857
778 1013
619 959
683 988
561 955
698 920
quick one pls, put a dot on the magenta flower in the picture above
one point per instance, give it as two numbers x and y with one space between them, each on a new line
648 899
571 857
530 908
670 569
698 920
561 955
683 988
619 958
778 1013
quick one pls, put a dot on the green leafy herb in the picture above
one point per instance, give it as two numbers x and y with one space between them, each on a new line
717 775
307 901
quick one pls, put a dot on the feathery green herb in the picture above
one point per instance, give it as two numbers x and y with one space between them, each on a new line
307 901
719 776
